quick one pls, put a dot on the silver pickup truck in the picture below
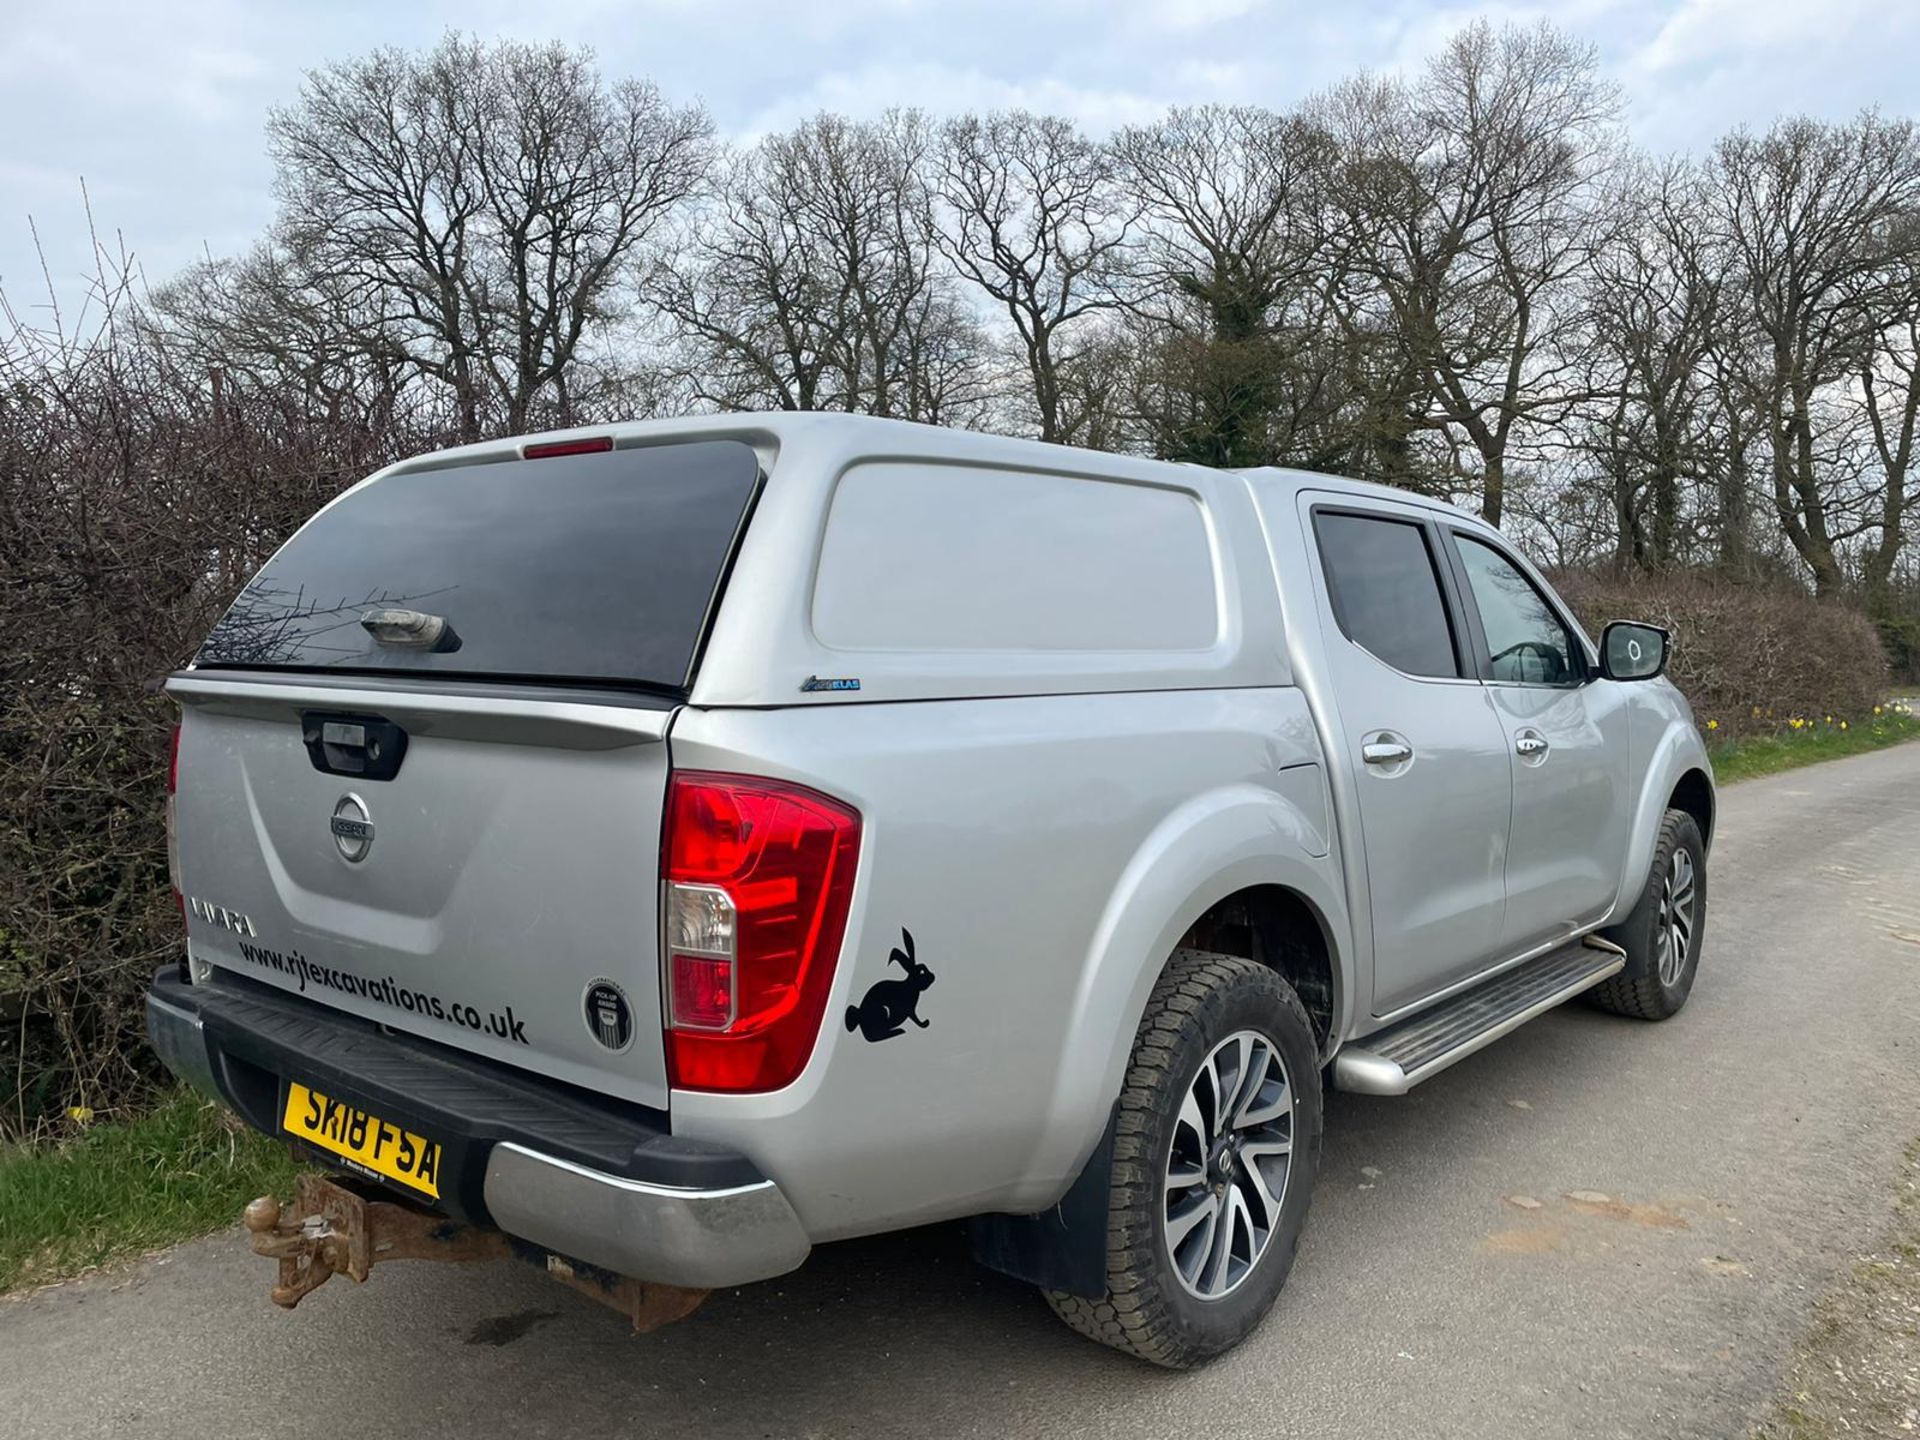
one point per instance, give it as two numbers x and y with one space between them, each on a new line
659 850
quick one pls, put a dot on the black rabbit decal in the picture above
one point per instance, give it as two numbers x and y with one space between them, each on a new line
889 1004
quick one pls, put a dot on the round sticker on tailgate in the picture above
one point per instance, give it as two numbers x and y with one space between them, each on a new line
609 1016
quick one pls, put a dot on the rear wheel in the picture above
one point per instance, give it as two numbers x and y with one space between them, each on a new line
1662 936
1216 1147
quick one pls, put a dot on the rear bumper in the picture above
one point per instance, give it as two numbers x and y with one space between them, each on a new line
701 1239
584 1177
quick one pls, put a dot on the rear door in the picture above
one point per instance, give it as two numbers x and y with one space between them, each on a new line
460 838
1427 751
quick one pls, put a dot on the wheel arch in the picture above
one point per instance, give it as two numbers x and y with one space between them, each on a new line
1279 927
1242 854
1677 775
1283 908
1693 793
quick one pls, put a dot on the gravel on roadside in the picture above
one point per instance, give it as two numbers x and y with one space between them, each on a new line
1857 1371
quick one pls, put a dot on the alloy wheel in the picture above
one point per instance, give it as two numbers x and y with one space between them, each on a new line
1228 1164
1673 936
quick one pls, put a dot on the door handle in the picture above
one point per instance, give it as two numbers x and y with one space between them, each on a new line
1530 744
1386 752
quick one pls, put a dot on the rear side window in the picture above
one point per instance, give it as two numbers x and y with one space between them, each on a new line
960 558
594 568
1386 592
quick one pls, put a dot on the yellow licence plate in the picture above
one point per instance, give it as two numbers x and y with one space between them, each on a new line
366 1140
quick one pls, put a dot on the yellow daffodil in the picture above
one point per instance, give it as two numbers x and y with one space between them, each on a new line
1713 724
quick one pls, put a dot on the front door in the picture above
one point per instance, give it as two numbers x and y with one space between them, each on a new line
1567 735
1427 750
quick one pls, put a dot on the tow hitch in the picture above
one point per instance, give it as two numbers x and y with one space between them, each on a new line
335 1229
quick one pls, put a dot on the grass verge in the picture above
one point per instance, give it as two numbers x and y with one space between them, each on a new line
123 1188
1736 760
1857 1372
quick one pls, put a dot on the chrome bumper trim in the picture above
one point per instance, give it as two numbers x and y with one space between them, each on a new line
701 1239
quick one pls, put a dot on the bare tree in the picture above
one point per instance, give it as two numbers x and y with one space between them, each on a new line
747 294
1230 251
1036 222
1887 372
1653 298
813 281
1098 387
1814 217
258 323
480 207
1467 206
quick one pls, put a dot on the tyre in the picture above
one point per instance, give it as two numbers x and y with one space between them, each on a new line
1663 935
1216 1148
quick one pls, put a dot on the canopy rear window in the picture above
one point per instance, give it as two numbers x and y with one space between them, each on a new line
596 568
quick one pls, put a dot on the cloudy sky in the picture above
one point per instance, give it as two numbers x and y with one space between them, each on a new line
159 105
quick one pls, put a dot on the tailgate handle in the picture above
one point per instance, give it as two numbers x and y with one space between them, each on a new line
367 747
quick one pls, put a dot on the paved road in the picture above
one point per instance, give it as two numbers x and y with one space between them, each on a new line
1745 1150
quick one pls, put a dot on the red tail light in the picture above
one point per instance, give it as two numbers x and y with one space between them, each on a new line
173 831
759 878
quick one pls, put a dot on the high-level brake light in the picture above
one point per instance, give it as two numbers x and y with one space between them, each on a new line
550 449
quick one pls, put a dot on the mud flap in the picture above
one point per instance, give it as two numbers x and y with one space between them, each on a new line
1062 1248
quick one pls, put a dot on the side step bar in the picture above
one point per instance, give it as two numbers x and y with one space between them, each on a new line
1394 1060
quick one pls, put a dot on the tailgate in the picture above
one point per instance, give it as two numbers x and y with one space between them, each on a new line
498 893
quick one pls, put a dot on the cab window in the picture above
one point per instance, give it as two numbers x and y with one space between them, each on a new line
1526 641
1385 591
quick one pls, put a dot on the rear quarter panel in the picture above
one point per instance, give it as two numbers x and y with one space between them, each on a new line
1045 853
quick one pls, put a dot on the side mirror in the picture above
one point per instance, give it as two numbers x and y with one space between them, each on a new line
1632 651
